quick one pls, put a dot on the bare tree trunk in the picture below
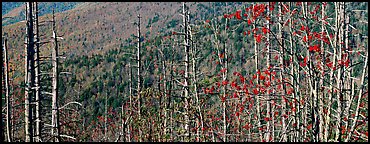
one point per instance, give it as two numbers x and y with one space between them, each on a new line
139 83
224 78
257 96
331 79
281 65
29 73
292 79
165 94
106 117
130 97
339 75
348 74
55 131
186 17
37 74
268 102
321 82
7 92
200 119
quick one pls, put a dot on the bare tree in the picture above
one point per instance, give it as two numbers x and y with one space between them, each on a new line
29 73
55 131
38 127
139 78
7 91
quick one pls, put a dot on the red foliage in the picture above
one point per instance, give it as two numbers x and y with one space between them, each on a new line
309 127
249 22
237 14
258 38
223 70
265 30
247 126
225 82
304 39
314 48
255 91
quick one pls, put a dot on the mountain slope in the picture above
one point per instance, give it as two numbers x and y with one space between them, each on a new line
13 12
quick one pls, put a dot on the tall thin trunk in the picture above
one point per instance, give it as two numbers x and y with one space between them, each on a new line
38 135
29 73
165 95
268 102
139 83
200 119
186 63
281 65
106 117
321 82
292 78
7 93
340 71
130 99
257 97
55 131
224 78
331 79
348 74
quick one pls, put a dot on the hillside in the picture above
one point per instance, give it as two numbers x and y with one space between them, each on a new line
13 12
257 71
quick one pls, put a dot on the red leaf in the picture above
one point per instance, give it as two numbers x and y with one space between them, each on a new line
304 39
246 126
221 55
225 82
223 70
265 30
255 91
262 77
235 95
237 15
258 38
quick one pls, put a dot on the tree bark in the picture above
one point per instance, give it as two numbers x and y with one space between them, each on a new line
7 92
55 131
29 73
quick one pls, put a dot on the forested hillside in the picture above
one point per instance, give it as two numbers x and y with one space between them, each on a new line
174 71
13 12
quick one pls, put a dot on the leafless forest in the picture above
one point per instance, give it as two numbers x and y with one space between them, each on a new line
212 72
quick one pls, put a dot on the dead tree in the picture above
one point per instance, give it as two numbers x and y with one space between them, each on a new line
269 125
55 131
7 92
139 78
38 127
29 73
257 97
185 18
